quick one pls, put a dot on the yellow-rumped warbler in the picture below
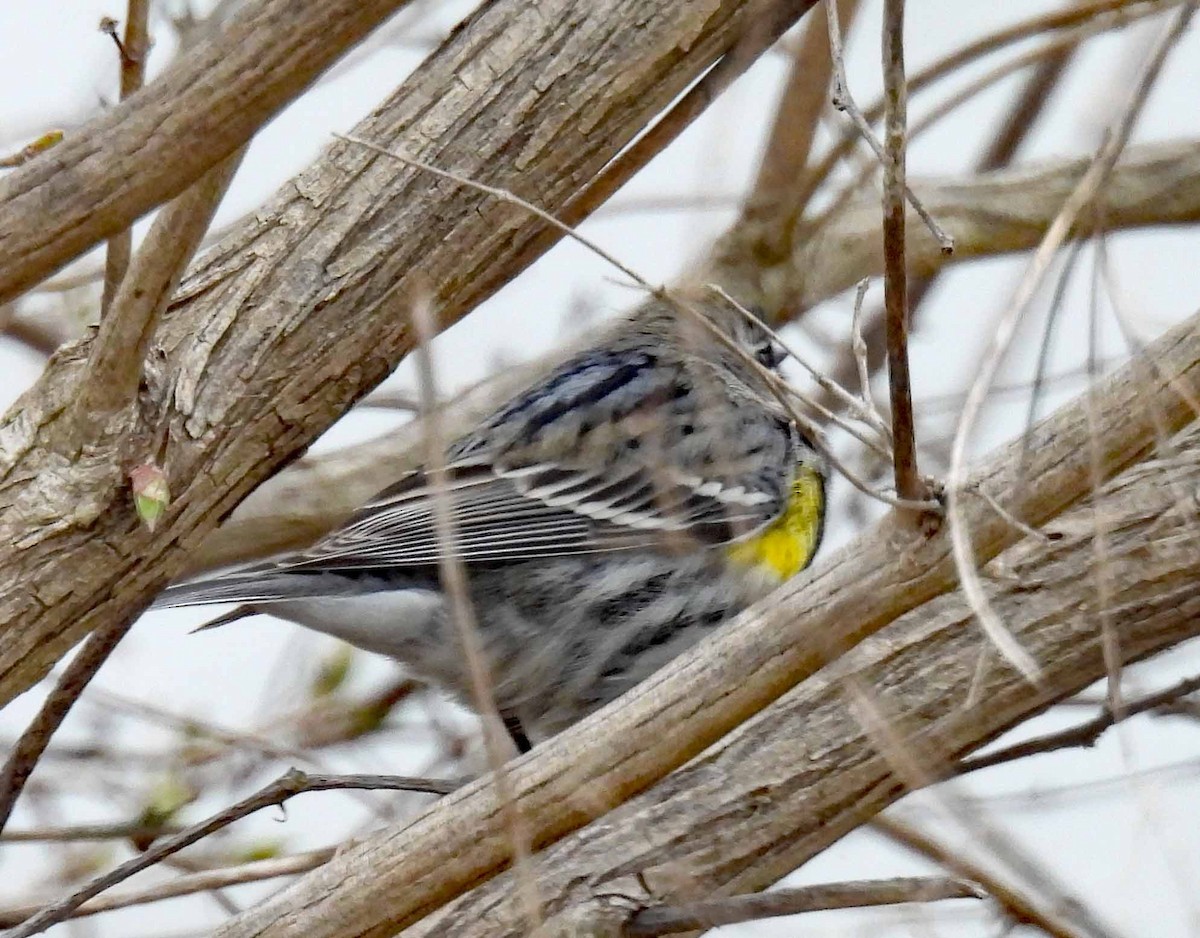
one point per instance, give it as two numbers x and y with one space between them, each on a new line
609 517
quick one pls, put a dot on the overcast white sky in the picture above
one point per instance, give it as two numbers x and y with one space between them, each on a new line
1132 851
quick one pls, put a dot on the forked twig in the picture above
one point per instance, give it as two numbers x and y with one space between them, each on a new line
844 101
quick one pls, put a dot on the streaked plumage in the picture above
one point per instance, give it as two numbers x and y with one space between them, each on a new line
603 518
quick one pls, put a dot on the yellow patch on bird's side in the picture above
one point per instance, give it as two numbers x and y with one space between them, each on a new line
786 546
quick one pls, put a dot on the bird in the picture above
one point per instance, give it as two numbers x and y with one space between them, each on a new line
607 518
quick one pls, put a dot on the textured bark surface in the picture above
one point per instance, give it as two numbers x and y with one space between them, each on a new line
396 877
806 771
304 309
154 144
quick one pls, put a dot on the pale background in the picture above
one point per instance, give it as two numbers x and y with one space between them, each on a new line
1116 823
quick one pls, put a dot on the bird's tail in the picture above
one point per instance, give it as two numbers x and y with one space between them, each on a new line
250 586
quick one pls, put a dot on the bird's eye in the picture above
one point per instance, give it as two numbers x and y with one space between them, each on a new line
770 354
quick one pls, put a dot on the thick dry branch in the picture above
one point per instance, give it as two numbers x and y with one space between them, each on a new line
403 874
985 215
108 388
300 311
803 773
156 143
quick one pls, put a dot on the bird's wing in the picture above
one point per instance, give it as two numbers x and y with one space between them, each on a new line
512 503
614 451
505 513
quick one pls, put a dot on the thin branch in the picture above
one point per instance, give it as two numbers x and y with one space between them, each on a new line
895 266
805 94
117 830
132 52
115 363
1012 519
858 350
33 742
504 195
856 894
1015 126
291 783
1017 906
1084 734
1114 14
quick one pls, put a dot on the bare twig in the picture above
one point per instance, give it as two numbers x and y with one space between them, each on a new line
1112 13
844 101
504 195
1012 519
918 768
787 397
1017 906
669 920
1082 195
858 349
1017 123
859 409
291 783
1083 735
132 53
118 830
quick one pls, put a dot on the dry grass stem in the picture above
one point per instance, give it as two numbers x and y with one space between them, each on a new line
1083 194
453 575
